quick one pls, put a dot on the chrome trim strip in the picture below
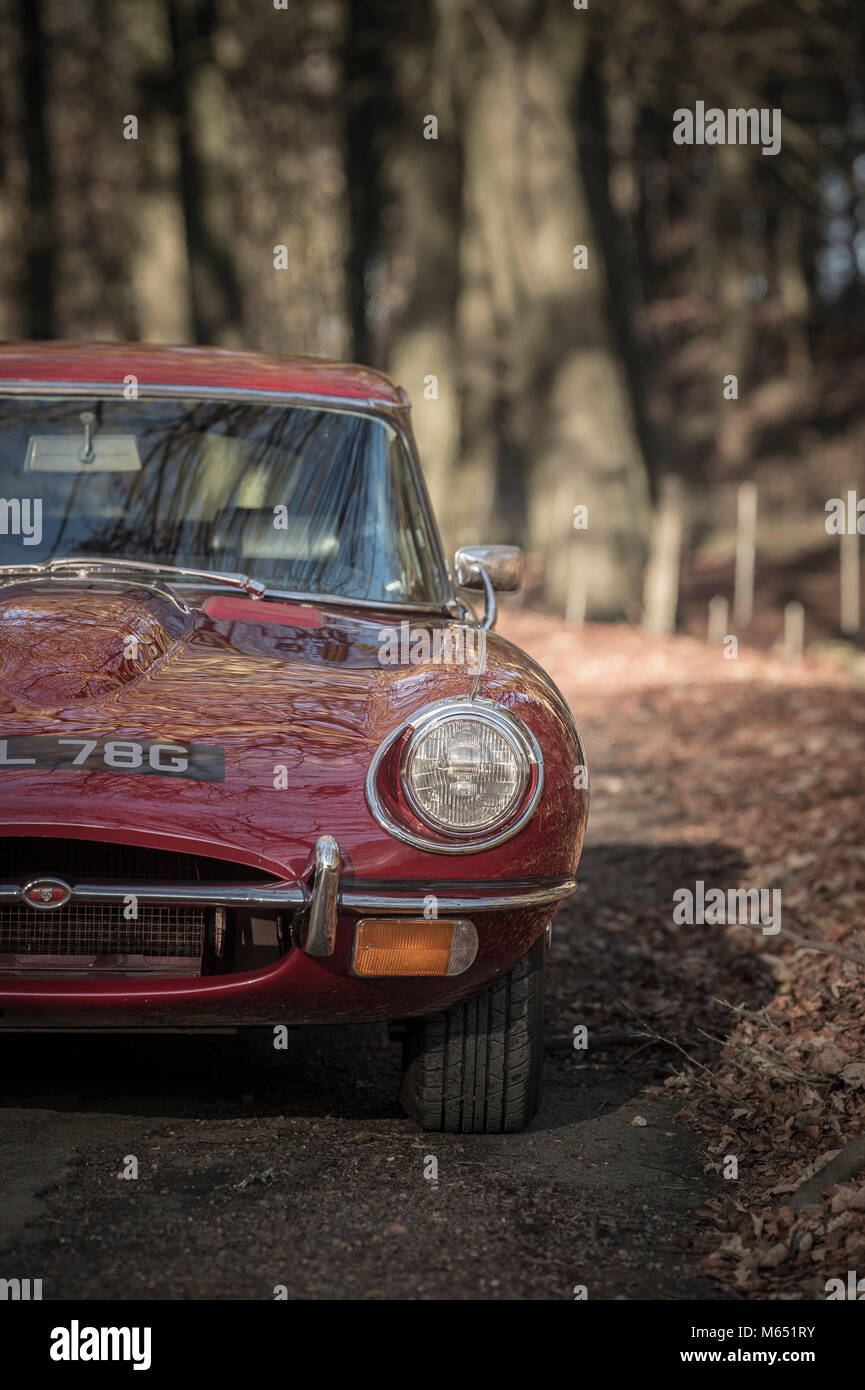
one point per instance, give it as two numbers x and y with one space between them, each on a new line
295 896
404 606
365 404
280 894
84 567
491 609
475 708
464 904
320 936
482 663
12 574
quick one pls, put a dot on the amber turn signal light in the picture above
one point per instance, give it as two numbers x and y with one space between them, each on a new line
414 946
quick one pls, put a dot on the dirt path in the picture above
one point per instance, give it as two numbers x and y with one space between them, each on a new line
258 1169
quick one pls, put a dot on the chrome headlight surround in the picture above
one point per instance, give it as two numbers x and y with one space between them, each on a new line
396 810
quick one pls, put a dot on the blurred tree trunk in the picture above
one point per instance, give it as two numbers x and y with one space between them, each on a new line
199 98
371 113
607 117
736 336
10 194
547 404
793 293
39 233
160 272
95 171
286 72
427 181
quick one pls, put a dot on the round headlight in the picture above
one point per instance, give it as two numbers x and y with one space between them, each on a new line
464 772
460 776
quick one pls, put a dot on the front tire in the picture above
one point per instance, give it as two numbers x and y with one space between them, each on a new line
478 1068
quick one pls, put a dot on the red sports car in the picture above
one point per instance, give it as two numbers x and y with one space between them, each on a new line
259 762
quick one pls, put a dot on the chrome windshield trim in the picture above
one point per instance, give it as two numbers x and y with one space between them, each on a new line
16 574
396 605
364 404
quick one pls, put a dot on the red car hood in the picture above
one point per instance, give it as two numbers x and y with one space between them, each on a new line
59 646
298 700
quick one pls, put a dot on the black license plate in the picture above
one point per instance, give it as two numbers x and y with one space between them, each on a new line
201 762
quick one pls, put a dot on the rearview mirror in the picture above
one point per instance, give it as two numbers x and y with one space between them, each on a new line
63 453
503 565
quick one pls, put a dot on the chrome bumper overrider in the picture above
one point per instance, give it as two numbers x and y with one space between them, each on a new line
320 906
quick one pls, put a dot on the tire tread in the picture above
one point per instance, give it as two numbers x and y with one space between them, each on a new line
476 1068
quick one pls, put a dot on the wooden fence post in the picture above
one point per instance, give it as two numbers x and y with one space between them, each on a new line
719 611
849 562
575 606
794 632
746 550
661 589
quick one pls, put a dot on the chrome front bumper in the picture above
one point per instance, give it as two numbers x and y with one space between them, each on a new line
320 905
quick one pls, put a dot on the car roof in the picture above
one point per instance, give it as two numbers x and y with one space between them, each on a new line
107 364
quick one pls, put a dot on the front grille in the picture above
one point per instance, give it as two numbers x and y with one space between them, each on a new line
93 939
82 861
99 929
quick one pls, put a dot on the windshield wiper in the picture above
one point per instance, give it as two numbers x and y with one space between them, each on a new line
82 566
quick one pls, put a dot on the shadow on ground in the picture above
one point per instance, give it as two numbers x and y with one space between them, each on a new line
258 1167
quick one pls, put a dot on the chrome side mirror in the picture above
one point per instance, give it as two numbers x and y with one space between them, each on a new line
503 564
493 568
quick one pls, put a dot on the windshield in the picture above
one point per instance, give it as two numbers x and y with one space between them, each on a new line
309 500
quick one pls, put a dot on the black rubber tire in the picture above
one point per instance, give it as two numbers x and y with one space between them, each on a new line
478 1068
